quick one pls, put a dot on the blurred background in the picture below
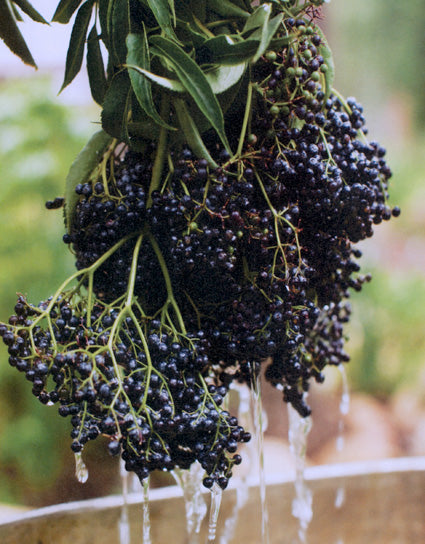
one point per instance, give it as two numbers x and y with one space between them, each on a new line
379 49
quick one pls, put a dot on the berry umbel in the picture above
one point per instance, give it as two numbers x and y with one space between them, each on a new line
214 223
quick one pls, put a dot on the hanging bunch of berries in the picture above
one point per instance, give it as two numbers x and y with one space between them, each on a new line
213 220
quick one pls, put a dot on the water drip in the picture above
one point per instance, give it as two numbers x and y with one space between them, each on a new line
81 472
190 482
242 489
344 407
302 505
259 427
216 494
146 516
124 524
339 497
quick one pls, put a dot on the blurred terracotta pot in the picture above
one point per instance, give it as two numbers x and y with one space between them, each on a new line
384 503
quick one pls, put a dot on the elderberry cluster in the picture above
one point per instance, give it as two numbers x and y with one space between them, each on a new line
197 277
143 389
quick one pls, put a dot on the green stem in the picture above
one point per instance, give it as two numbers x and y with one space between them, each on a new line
89 270
133 271
245 121
167 280
158 164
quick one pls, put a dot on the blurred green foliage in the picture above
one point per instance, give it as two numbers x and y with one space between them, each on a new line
387 331
379 48
38 141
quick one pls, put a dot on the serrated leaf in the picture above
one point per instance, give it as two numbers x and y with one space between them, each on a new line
119 28
74 57
11 35
138 63
65 10
81 170
194 81
226 8
115 105
268 30
95 68
27 8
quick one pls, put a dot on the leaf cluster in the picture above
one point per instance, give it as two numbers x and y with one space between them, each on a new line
161 65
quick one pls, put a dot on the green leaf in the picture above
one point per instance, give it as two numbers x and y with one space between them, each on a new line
74 57
16 13
27 8
95 68
190 33
11 35
226 8
119 29
224 49
222 78
194 81
191 133
139 64
115 105
268 30
172 85
81 169
219 77
65 10
163 11
257 19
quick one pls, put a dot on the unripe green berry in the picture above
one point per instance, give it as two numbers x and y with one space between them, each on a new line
271 56
274 110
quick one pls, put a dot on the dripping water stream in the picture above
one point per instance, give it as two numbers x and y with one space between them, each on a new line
259 428
242 488
146 531
302 505
190 482
216 495
344 408
124 523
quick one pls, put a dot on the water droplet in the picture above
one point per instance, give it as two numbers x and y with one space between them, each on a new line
81 472
302 505
340 497
344 406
